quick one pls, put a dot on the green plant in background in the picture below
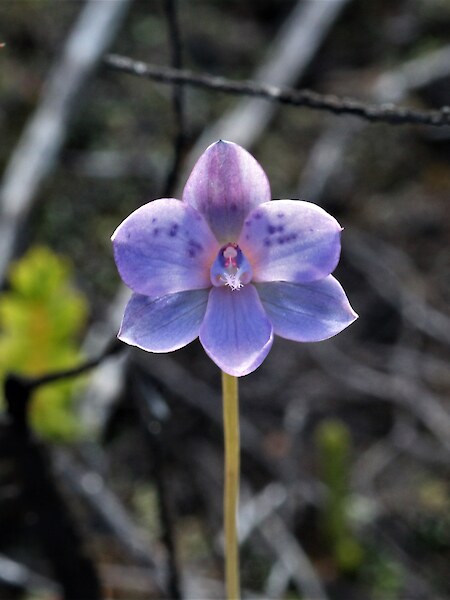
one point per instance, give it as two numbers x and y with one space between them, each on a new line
334 446
41 318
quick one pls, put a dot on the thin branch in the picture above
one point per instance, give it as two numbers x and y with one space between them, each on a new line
284 63
31 383
386 112
177 96
326 157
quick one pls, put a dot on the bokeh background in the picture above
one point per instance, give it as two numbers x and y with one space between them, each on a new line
112 488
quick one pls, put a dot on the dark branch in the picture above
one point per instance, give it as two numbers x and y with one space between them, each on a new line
386 112
28 384
177 96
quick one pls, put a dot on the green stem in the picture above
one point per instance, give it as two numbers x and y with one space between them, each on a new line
231 492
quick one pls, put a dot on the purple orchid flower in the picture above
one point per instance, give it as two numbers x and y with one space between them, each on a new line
230 266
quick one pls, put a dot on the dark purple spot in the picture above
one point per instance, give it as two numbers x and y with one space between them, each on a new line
281 240
271 229
247 237
154 220
128 236
280 215
156 231
247 223
194 248
195 245
267 242
174 230
258 215
233 207
280 228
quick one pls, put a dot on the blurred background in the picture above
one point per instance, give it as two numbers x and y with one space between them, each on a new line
111 483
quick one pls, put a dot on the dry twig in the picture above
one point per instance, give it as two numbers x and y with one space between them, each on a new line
386 112
287 58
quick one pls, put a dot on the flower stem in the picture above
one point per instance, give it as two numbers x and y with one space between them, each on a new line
231 492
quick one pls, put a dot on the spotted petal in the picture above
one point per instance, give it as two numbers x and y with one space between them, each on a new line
164 247
236 332
307 312
291 240
225 185
163 324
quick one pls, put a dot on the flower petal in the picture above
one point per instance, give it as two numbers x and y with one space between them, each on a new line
307 312
291 240
163 324
236 333
164 247
225 185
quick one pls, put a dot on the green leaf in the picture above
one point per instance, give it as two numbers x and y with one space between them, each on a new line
41 319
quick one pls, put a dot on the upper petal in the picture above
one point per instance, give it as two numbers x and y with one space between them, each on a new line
163 324
164 247
236 333
307 312
291 240
225 185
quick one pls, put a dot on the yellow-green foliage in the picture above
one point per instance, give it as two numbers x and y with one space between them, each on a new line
41 317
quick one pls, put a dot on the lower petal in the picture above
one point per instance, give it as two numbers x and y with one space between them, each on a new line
164 324
308 312
236 333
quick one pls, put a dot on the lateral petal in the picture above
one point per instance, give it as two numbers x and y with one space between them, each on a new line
163 324
291 240
224 186
308 312
164 247
236 333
